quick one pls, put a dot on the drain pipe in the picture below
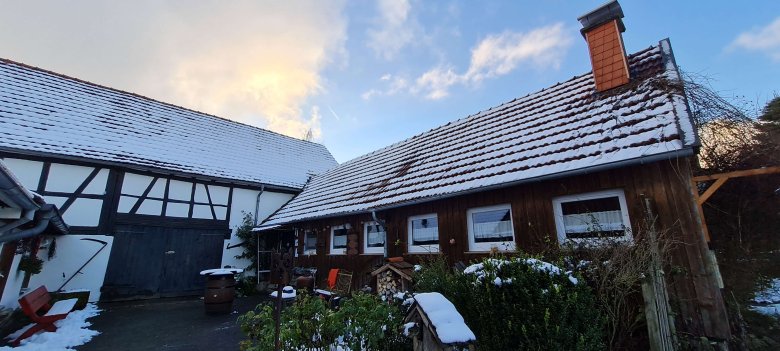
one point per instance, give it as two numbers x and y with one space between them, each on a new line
257 249
47 212
381 223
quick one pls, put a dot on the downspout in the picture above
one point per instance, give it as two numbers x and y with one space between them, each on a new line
46 213
381 223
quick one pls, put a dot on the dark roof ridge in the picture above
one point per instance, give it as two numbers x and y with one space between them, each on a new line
120 91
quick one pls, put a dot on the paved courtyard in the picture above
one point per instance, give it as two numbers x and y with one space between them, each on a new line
166 324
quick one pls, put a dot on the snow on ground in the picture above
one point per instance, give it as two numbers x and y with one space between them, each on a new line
767 301
71 331
445 318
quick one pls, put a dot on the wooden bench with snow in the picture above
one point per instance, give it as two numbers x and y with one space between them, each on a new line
37 305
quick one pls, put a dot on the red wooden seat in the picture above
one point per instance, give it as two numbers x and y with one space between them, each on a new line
37 305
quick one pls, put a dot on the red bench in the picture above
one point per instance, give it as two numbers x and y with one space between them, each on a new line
37 305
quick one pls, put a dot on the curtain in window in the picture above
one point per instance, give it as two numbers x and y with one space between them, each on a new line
375 236
339 238
492 226
593 218
425 231
311 241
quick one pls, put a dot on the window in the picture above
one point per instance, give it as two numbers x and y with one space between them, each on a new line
338 239
491 227
309 242
588 217
424 234
374 238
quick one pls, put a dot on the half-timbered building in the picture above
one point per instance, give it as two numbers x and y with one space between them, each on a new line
568 164
151 191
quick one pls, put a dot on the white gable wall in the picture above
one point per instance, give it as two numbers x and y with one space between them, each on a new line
244 201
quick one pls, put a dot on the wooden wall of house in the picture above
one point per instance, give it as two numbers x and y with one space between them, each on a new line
667 183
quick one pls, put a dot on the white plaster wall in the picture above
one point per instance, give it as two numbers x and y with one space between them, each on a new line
244 200
67 178
83 212
72 253
28 172
13 285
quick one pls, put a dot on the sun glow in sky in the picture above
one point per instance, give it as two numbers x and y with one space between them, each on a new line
362 75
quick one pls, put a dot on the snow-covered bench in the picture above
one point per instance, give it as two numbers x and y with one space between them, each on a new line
37 305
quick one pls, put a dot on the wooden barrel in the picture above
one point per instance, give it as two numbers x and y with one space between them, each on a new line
220 292
305 283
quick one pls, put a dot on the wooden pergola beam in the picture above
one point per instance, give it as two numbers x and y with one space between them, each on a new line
735 174
721 179
711 190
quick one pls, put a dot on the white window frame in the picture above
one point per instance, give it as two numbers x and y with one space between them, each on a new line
372 250
332 232
430 248
306 241
561 227
499 245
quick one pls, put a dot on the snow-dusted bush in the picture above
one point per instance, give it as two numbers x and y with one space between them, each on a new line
363 322
519 303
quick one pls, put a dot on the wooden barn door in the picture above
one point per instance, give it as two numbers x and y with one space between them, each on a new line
151 261
187 252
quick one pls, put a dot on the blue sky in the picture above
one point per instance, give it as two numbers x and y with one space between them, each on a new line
365 74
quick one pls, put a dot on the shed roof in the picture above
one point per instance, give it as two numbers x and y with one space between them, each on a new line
562 130
46 113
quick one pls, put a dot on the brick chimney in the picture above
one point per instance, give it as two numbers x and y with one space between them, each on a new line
601 29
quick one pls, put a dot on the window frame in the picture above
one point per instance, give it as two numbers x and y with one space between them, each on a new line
422 249
309 252
474 246
560 225
373 250
332 232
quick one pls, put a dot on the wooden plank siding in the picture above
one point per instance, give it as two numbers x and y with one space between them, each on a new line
694 291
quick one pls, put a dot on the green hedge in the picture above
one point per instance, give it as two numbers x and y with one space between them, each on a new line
519 303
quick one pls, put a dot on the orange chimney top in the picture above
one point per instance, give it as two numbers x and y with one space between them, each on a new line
601 29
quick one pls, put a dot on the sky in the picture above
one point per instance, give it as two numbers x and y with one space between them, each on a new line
362 75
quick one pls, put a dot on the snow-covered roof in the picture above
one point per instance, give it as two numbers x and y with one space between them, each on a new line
568 128
50 114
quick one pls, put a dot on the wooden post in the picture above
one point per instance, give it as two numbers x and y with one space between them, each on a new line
660 322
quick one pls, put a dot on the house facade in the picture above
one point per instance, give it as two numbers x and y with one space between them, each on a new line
590 157
152 192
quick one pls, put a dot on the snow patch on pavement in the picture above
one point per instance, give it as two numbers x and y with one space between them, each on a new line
71 332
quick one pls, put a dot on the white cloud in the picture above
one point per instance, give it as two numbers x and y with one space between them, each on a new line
256 62
765 39
494 56
497 55
394 28
435 83
395 84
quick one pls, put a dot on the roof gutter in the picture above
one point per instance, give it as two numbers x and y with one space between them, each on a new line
48 214
607 166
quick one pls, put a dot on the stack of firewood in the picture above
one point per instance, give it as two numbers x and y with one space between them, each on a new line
388 284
